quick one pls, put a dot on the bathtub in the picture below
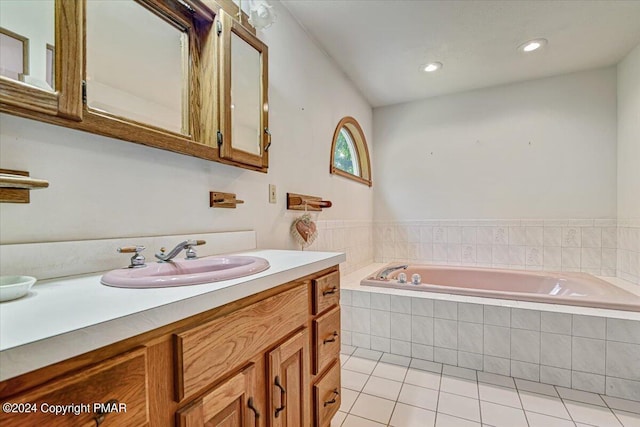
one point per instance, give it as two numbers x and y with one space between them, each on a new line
578 289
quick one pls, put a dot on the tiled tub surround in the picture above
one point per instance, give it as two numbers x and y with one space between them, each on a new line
628 264
567 288
591 353
553 245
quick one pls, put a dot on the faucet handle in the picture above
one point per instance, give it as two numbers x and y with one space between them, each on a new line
191 253
137 260
131 249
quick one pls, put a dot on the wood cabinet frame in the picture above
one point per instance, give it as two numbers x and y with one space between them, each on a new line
66 101
229 27
66 106
198 26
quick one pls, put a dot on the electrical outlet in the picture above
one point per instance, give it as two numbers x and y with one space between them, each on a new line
272 193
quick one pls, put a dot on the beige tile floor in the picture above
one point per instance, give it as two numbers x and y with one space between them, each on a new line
381 389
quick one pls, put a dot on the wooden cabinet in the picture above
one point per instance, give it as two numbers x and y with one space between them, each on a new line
326 329
179 102
111 393
248 363
244 135
206 352
326 395
289 382
231 404
64 98
325 290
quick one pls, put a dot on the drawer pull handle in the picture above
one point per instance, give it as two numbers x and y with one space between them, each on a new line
332 401
256 414
100 415
330 291
332 339
282 397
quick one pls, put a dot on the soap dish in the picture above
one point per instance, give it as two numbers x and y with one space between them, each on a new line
14 287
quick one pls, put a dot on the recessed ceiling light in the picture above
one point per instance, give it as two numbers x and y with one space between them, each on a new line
532 45
432 66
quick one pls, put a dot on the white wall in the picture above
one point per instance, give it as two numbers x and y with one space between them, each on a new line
539 149
629 136
629 167
102 187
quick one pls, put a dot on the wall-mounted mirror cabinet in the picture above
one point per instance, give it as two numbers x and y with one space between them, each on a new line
244 107
154 72
137 65
34 35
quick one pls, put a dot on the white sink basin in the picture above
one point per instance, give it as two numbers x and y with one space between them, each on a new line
185 272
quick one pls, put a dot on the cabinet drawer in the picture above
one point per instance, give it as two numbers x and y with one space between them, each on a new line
326 292
326 396
326 329
207 352
119 383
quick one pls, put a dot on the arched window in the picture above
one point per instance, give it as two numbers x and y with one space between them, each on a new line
349 152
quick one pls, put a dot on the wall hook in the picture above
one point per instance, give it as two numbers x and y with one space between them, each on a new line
301 202
223 200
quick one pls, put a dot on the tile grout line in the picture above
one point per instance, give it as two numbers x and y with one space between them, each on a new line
435 421
515 383
611 409
562 398
479 400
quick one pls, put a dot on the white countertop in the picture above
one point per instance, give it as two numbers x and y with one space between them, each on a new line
66 317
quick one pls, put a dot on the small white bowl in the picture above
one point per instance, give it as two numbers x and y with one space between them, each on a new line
14 287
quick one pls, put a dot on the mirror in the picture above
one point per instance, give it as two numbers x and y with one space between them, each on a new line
137 65
244 136
245 97
27 31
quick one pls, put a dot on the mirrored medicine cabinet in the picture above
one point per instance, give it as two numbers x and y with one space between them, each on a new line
180 75
243 95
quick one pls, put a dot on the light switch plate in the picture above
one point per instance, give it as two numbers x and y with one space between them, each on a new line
272 193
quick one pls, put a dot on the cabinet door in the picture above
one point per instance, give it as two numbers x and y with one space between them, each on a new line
244 128
110 393
227 405
289 382
47 80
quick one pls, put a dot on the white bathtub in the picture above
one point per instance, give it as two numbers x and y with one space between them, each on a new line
578 289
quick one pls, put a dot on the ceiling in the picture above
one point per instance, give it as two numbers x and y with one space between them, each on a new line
381 44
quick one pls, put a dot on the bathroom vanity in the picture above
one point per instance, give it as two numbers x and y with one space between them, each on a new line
266 353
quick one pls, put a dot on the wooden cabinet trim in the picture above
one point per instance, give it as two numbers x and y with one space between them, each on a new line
123 378
230 26
66 100
235 338
239 389
69 63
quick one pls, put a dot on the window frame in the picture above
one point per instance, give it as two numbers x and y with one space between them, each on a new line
352 127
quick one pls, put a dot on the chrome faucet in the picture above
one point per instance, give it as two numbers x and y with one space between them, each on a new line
186 245
383 275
